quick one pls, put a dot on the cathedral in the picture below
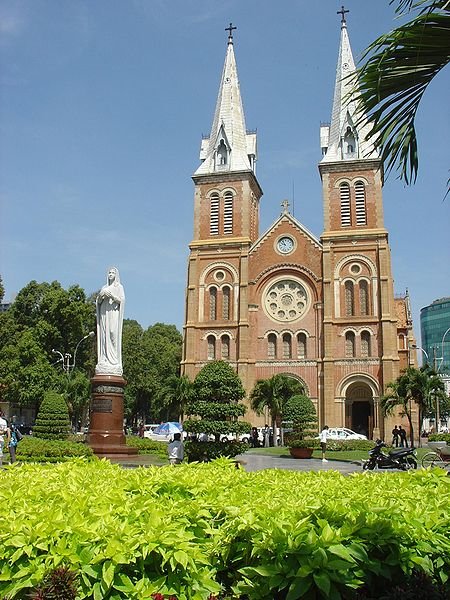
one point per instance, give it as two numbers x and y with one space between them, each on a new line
320 310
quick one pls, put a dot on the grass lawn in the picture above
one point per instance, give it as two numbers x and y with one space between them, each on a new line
345 455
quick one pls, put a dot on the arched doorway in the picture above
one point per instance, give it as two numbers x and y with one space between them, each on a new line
359 408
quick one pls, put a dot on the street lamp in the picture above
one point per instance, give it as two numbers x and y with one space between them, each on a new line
65 358
441 358
419 348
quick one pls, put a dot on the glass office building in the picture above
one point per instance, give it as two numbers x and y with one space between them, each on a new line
435 333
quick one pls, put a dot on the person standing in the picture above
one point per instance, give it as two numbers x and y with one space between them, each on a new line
323 441
395 436
13 437
3 435
403 439
175 450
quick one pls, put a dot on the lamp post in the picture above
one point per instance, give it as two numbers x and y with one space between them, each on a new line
441 358
66 357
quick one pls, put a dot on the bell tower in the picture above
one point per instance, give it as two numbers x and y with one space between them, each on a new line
226 223
360 324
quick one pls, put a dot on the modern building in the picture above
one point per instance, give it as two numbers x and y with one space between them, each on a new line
321 310
435 335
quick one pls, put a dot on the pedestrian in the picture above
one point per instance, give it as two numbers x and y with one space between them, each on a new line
254 439
141 429
323 441
3 434
403 440
175 450
13 438
395 436
266 435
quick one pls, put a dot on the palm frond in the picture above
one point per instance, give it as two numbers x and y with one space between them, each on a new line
395 72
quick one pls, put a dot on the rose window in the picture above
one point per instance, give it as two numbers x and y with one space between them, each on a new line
286 300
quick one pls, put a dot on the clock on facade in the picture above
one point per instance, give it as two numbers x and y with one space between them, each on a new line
285 244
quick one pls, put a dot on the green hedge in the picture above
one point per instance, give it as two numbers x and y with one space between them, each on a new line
147 446
52 421
439 437
207 451
32 449
210 530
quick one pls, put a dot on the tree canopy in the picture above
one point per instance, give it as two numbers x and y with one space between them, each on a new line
395 72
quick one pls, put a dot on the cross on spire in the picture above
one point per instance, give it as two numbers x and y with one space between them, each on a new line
285 204
342 12
230 29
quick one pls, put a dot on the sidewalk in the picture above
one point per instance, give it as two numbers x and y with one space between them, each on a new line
257 462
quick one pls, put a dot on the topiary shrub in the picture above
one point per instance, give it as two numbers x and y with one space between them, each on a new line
33 449
301 412
52 421
206 451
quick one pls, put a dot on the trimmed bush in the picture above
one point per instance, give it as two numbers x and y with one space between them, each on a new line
439 437
32 449
52 421
204 451
147 446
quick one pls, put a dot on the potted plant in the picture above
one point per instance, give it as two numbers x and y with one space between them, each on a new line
301 412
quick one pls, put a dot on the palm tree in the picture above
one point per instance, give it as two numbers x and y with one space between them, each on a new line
272 394
395 72
175 394
421 386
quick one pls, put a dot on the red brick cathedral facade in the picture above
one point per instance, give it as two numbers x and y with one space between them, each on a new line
319 310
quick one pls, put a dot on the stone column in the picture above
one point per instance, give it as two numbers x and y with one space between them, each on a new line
106 436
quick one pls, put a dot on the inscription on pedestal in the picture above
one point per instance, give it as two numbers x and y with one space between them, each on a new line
101 405
108 389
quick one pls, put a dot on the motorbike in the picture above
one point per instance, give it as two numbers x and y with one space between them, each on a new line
399 458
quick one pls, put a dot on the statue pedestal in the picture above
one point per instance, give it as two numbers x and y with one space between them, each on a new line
106 436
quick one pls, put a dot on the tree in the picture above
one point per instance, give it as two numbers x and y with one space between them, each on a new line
272 394
395 72
301 412
52 421
421 386
216 392
175 395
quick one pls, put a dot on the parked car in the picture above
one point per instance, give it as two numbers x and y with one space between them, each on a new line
150 433
342 433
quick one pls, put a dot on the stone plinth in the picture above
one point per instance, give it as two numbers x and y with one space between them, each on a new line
106 436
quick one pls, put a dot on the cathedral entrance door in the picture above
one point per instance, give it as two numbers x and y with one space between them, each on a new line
359 409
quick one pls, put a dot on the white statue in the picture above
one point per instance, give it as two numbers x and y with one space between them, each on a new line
110 304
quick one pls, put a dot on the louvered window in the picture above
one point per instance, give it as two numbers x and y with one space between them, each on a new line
226 303
271 345
349 344
301 345
211 347
225 339
213 303
360 203
346 217
214 215
349 299
365 344
287 346
364 297
228 213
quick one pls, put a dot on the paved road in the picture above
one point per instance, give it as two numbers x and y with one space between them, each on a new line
257 462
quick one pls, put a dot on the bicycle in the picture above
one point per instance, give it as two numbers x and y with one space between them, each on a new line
436 459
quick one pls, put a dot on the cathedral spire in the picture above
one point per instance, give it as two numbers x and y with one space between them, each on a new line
229 146
344 139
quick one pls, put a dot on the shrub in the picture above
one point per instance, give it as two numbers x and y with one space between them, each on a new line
58 584
52 421
301 412
439 437
33 449
147 446
338 445
205 451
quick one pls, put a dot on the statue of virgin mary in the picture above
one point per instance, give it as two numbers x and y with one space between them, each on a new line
110 307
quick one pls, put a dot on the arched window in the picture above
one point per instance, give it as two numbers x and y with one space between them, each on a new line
211 347
272 346
346 216
212 303
365 344
402 342
301 345
222 154
363 297
360 203
287 346
349 144
349 299
214 215
228 213
225 339
349 344
226 303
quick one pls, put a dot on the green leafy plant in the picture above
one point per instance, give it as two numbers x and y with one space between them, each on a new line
439 437
301 412
204 451
52 421
147 446
33 449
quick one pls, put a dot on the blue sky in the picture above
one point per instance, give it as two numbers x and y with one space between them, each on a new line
102 107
